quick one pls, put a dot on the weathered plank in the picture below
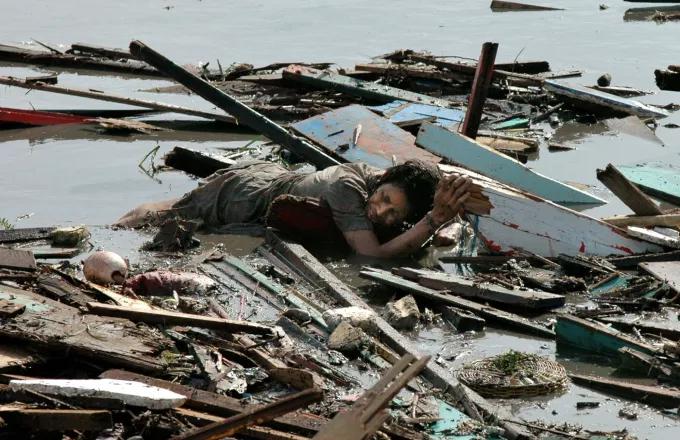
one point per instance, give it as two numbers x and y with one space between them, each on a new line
666 271
20 117
627 192
505 6
378 140
57 327
405 114
491 314
662 183
656 396
647 14
25 234
653 237
363 89
63 291
17 259
634 260
56 419
645 326
591 336
221 405
479 90
532 299
463 320
177 318
482 159
668 220
607 101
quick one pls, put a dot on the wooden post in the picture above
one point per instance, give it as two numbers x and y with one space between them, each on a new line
480 88
234 107
627 191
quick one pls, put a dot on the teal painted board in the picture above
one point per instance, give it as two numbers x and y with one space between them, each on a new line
662 183
379 140
484 160
404 114
602 99
363 89
450 422
595 337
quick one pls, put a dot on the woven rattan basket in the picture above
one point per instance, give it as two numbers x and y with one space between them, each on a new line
532 375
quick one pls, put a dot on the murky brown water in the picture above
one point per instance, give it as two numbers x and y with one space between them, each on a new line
60 175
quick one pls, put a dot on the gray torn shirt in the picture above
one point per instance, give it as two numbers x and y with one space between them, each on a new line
242 193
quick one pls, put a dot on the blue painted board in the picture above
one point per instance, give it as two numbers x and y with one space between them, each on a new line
594 337
404 113
484 160
378 142
449 423
613 102
662 183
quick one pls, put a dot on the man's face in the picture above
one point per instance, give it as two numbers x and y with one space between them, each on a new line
387 206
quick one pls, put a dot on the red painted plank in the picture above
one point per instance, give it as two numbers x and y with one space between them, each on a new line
35 117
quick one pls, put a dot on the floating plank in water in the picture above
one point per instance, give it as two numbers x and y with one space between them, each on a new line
656 396
378 139
15 116
25 234
648 14
363 89
503 6
606 100
470 154
591 336
405 114
662 183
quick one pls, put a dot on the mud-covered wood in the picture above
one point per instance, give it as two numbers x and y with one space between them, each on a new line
17 415
17 259
655 396
25 234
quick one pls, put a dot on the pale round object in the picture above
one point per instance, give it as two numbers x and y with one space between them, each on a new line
105 267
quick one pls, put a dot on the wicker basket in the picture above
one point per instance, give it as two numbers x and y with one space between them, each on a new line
534 376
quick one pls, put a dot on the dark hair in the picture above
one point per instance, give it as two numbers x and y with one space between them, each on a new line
418 179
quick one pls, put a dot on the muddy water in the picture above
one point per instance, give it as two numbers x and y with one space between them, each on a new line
61 175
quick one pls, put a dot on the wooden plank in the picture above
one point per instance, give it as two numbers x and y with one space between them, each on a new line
38 118
25 234
668 220
647 14
63 291
645 326
55 327
505 6
355 87
491 314
653 237
666 271
56 419
406 114
470 154
378 141
108 52
633 261
604 100
629 194
245 114
592 336
221 405
101 96
655 396
55 253
532 299
662 183
17 259
165 317
479 90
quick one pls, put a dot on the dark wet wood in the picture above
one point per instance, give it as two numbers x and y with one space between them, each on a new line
224 406
480 88
17 259
58 328
55 419
634 260
463 320
61 290
655 396
629 194
25 234
10 310
165 317
198 163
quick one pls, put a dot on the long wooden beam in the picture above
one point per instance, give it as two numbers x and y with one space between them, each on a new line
629 194
655 396
242 112
101 96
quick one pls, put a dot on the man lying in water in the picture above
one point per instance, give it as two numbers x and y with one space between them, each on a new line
359 196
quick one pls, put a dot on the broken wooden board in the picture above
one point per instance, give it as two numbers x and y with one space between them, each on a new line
614 103
662 183
12 356
221 405
18 415
652 326
521 221
648 14
17 259
666 271
363 89
491 314
405 114
20 117
653 237
60 328
378 139
655 396
25 234
628 193
505 6
484 291
667 220
61 290
592 336
129 392
484 160
165 317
